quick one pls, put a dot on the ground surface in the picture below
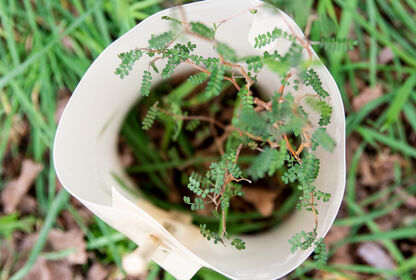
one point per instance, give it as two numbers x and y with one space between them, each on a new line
46 46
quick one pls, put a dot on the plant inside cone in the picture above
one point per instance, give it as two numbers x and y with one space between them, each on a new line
277 129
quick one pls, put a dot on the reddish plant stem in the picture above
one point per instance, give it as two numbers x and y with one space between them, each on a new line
201 118
238 14
230 79
240 69
261 105
314 211
292 151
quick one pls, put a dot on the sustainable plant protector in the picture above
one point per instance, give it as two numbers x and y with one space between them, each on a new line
85 153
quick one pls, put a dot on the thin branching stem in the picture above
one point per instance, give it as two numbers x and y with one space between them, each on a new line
201 118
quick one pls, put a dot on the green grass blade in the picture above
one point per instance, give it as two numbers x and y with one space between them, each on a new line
52 41
371 135
400 99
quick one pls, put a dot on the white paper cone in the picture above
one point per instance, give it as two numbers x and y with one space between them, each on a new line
85 153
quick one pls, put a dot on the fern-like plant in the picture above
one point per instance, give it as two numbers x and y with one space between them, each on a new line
278 129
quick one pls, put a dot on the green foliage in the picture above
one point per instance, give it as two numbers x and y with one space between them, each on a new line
276 62
246 98
265 39
321 107
290 116
127 61
216 174
194 185
172 63
171 19
253 145
208 234
296 84
152 64
216 184
280 67
176 109
278 159
192 125
254 63
176 55
238 244
264 163
337 44
150 117
322 137
233 169
320 253
302 240
215 81
310 169
304 173
322 195
198 78
161 40
202 30
11 223
293 56
275 55
253 123
272 130
227 52
146 83
198 203
210 62
312 79
98 36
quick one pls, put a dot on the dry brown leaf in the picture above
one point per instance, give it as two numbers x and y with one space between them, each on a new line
39 271
367 95
385 56
49 270
74 238
378 170
384 165
354 55
367 176
262 199
409 200
29 240
97 272
391 220
335 234
27 205
342 254
17 188
325 275
7 249
375 256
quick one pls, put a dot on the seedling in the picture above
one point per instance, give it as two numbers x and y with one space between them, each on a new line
277 128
